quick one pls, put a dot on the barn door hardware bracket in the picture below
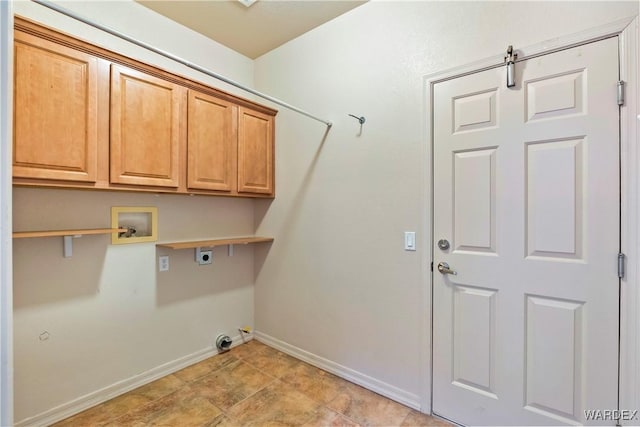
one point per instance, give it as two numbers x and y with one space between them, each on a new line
621 265
510 61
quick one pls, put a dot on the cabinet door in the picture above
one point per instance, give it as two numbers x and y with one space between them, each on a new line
255 152
55 111
211 143
146 136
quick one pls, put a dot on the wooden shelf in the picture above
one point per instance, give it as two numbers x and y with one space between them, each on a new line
214 242
58 233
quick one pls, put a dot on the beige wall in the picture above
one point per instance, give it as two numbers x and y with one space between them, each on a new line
337 283
109 314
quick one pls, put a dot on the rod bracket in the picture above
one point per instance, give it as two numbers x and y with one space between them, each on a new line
360 119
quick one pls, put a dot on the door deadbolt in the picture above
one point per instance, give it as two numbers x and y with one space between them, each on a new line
443 244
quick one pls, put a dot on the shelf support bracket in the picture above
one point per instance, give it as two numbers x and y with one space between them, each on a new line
68 244
230 250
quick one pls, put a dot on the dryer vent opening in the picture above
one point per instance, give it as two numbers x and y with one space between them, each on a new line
223 343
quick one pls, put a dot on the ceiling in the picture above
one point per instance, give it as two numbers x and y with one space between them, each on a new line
253 30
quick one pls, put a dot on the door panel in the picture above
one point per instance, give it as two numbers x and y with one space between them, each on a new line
474 339
553 362
475 111
554 198
212 143
146 129
474 200
255 152
526 188
56 105
555 96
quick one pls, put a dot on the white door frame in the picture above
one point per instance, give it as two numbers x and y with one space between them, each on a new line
6 281
627 31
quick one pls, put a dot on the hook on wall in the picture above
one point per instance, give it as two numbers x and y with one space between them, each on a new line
361 119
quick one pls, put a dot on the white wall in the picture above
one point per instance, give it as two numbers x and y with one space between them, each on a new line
337 282
6 132
109 315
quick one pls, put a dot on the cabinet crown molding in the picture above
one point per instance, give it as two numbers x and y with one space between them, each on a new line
37 29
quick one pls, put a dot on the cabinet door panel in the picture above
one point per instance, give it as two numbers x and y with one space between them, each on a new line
145 129
255 152
55 117
211 143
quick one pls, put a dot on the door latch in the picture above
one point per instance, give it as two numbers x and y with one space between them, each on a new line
443 268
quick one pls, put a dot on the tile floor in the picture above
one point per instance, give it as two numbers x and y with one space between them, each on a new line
251 385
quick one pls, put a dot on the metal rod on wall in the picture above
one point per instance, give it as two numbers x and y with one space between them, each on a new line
175 58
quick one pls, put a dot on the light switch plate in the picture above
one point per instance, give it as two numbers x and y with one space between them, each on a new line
409 240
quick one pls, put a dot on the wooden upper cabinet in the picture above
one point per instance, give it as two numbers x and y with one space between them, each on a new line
146 133
255 152
55 111
88 117
211 143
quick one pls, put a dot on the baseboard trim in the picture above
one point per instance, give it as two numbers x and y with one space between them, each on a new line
394 393
87 401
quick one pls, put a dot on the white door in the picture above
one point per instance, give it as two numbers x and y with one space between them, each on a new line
526 190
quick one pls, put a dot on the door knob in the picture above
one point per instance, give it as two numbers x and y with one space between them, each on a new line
443 268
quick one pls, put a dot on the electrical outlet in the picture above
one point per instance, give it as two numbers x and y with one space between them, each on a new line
163 263
204 257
